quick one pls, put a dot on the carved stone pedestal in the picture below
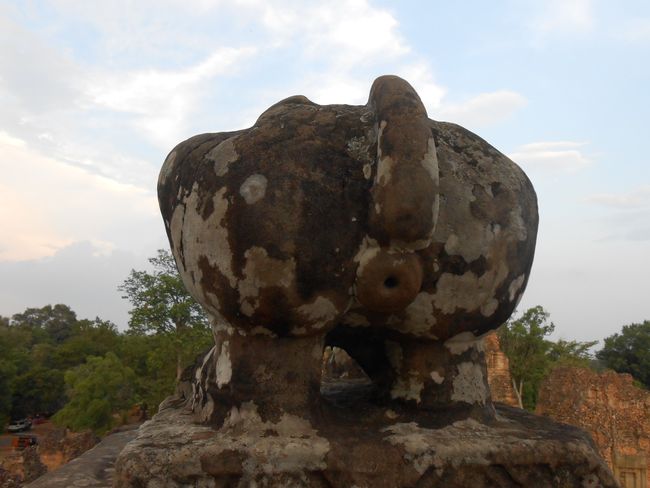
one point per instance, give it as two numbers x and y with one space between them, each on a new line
356 443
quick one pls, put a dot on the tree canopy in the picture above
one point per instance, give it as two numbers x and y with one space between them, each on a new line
629 352
162 306
97 389
532 355
88 370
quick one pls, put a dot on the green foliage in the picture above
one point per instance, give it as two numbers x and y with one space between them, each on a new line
90 372
629 352
98 389
38 390
162 306
14 358
7 374
571 353
53 323
89 338
532 355
523 341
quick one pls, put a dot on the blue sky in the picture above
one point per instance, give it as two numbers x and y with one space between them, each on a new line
94 95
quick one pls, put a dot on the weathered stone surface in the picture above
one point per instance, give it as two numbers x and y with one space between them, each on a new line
376 230
20 467
60 446
93 469
9 480
356 443
372 228
498 372
611 408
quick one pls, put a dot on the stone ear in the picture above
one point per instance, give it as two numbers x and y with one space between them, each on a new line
404 209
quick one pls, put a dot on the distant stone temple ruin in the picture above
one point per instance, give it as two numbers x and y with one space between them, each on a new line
382 233
612 409
498 372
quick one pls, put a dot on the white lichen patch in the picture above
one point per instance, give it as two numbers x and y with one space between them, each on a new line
222 326
517 224
367 171
223 366
465 441
452 245
297 447
356 320
477 237
437 377
419 316
514 287
489 307
222 155
467 291
430 161
358 148
368 249
380 132
395 354
259 330
253 188
319 313
202 240
469 384
385 170
460 343
260 271
408 387
399 246
417 444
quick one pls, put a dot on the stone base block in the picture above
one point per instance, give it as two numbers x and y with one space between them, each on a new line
360 445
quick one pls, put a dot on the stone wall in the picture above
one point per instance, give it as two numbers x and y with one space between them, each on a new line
55 448
498 369
612 409
60 446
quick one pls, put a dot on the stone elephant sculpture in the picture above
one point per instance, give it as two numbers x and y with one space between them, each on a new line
372 228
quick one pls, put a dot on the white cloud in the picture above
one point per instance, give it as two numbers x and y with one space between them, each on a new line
162 100
634 30
564 16
563 156
634 199
82 275
46 204
484 109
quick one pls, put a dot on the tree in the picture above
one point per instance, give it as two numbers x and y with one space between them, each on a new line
14 359
98 389
523 341
38 390
162 306
52 322
532 356
88 338
629 352
571 353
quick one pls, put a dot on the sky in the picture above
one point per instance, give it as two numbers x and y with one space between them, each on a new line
93 95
